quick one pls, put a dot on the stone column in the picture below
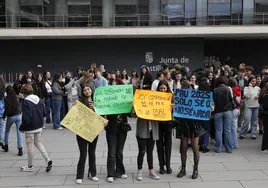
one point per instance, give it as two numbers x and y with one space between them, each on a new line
107 13
248 12
61 13
201 12
155 13
12 13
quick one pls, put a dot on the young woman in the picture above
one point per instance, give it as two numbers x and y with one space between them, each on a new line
188 129
169 80
236 111
48 100
251 95
116 139
124 77
134 80
204 140
84 145
41 88
2 109
164 143
260 122
146 79
177 81
264 114
193 82
32 123
57 100
13 114
211 78
223 114
159 77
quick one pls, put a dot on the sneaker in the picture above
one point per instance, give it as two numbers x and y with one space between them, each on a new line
264 151
44 127
95 179
253 138
110 179
260 132
139 175
241 137
27 169
60 128
153 175
79 181
49 165
123 176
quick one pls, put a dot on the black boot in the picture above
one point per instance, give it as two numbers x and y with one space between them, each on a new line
5 148
182 172
161 158
195 173
168 159
20 152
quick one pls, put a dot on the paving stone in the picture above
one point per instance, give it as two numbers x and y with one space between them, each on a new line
255 184
231 184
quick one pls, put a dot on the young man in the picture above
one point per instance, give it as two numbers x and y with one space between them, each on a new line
33 113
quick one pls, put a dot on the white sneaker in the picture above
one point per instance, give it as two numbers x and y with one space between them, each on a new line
139 175
110 179
264 151
153 175
60 128
26 169
95 179
79 181
44 127
123 176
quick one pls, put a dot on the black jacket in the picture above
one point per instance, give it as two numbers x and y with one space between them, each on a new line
33 113
12 109
222 99
41 90
264 104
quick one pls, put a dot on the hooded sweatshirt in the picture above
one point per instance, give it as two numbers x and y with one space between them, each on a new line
237 96
33 113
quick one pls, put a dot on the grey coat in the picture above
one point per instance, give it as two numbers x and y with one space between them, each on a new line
69 86
143 131
57 91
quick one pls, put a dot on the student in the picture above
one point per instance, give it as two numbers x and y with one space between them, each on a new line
264 114
32 122
164 144
84 145
189 129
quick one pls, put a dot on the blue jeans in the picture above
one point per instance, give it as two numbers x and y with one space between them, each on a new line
2 130
48 104
17 120
56 107
203 140
250 116
235 114
223 122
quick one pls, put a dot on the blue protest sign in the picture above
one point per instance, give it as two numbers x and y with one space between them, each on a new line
193 104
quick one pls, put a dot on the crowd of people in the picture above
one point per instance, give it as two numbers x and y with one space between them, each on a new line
240 106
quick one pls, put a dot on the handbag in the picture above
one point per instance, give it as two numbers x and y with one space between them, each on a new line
232 103
125 127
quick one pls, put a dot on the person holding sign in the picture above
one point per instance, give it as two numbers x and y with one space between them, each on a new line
188 129
86 146
116 137
164 144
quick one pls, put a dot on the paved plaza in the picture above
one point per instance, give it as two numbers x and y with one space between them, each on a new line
246 167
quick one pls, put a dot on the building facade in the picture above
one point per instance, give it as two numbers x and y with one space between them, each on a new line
135 13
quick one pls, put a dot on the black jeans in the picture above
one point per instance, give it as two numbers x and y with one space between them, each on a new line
145 145
84 147
116 143
164 145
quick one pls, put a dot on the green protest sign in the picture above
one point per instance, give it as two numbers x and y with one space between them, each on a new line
113 99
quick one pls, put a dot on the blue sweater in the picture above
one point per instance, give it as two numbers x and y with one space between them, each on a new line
33 113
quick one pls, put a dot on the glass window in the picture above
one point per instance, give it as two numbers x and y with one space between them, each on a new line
31 12
216 9
126 9
2 14
190 9
261 6
237 6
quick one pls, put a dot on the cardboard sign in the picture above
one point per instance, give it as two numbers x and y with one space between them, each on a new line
153 105
84 122
193 104
113 99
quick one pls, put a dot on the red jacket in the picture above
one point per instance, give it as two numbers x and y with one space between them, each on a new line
237 94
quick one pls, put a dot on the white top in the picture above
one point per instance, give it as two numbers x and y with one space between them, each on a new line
155 85
250 94
48 87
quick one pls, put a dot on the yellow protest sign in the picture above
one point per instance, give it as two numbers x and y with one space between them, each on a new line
84 122
153 105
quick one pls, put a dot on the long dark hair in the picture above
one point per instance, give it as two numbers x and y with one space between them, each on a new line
56 77
122 76
264 90
84 99
2 87
11 98
163 82
204 84
137 75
